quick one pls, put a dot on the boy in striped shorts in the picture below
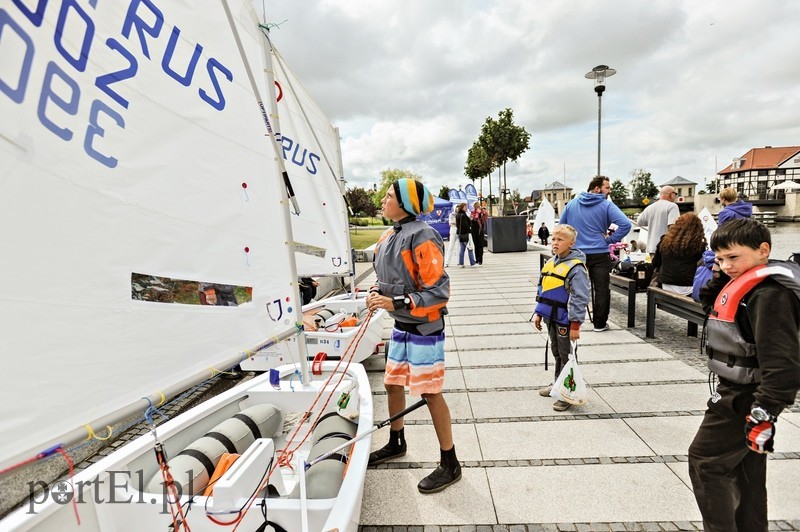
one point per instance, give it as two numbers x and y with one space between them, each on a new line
414 288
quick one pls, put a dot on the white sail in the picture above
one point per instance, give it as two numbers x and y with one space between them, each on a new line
312 156
545 214
130 143
709 223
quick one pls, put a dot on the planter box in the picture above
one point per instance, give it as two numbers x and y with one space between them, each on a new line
506 234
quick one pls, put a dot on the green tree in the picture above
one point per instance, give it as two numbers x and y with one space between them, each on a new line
618 192
503 141
478 165
642 185
361 202
444 192
388 177
712 186
515 199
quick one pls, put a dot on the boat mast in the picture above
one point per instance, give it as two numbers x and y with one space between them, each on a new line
266 57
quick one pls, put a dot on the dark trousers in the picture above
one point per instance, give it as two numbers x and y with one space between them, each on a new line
559 344
729 480
477 238
599 266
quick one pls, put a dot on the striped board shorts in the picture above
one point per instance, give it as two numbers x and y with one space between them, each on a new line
416 361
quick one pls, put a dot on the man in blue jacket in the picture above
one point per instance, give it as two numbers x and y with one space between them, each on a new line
591 214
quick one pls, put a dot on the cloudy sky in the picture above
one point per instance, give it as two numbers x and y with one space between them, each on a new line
410 82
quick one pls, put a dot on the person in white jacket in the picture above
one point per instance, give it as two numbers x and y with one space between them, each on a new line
453 237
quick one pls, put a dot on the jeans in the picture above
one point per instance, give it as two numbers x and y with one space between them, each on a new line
599 266
461 255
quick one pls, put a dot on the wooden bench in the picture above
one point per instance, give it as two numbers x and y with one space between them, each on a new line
678 305
618 283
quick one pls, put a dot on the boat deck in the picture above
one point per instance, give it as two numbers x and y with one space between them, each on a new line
617 463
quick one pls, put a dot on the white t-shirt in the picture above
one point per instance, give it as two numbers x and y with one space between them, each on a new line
656 218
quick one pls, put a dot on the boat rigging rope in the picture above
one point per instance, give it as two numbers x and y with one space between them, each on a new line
171 491
285 455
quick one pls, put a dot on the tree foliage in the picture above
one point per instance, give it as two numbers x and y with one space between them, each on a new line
444 192
361 202
712 186
503 141
642 185
388 177
619 193
479 164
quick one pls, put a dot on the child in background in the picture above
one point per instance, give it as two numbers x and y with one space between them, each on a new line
561 300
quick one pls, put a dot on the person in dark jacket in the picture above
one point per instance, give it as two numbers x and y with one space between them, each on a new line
544 234
753 346
464 230
732 206
478 218
678 253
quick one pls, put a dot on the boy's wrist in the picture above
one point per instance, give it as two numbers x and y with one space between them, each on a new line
574 326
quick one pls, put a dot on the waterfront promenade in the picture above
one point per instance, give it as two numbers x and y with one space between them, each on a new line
617 463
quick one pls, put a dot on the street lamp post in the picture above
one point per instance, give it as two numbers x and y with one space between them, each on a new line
599 75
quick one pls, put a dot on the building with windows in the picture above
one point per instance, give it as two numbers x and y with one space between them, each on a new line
558 194
757 171
686 189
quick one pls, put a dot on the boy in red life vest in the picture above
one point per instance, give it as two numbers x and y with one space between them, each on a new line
561 299
753 348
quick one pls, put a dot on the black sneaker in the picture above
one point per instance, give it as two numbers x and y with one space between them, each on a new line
387 452
441 477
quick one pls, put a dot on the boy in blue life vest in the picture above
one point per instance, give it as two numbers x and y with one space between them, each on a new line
561 299
753 348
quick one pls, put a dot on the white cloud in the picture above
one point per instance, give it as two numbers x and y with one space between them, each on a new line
409 83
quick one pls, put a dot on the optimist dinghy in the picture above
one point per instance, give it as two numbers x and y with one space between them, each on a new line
139 166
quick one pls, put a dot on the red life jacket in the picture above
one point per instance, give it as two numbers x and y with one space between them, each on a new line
729 355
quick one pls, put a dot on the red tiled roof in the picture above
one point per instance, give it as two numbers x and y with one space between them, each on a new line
761 158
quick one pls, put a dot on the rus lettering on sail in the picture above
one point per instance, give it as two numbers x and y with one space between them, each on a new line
34 68
292 151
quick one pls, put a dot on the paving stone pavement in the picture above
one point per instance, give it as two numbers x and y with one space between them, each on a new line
617 463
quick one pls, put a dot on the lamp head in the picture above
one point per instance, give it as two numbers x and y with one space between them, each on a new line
599 75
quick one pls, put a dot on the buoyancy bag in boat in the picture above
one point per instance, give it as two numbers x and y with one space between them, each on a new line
193 466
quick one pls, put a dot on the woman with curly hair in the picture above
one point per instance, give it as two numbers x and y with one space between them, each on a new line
678 252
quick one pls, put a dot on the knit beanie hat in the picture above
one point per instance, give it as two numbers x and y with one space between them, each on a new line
413 196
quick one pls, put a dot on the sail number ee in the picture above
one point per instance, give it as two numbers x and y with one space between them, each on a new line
75 38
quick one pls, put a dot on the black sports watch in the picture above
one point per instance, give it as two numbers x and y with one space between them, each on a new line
759 414
401 302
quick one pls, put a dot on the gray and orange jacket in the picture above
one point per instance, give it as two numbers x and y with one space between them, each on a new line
409 260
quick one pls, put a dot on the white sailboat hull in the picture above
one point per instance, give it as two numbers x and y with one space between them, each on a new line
111 494
334 344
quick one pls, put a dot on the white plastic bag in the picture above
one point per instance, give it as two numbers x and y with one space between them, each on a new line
470 243
570 386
